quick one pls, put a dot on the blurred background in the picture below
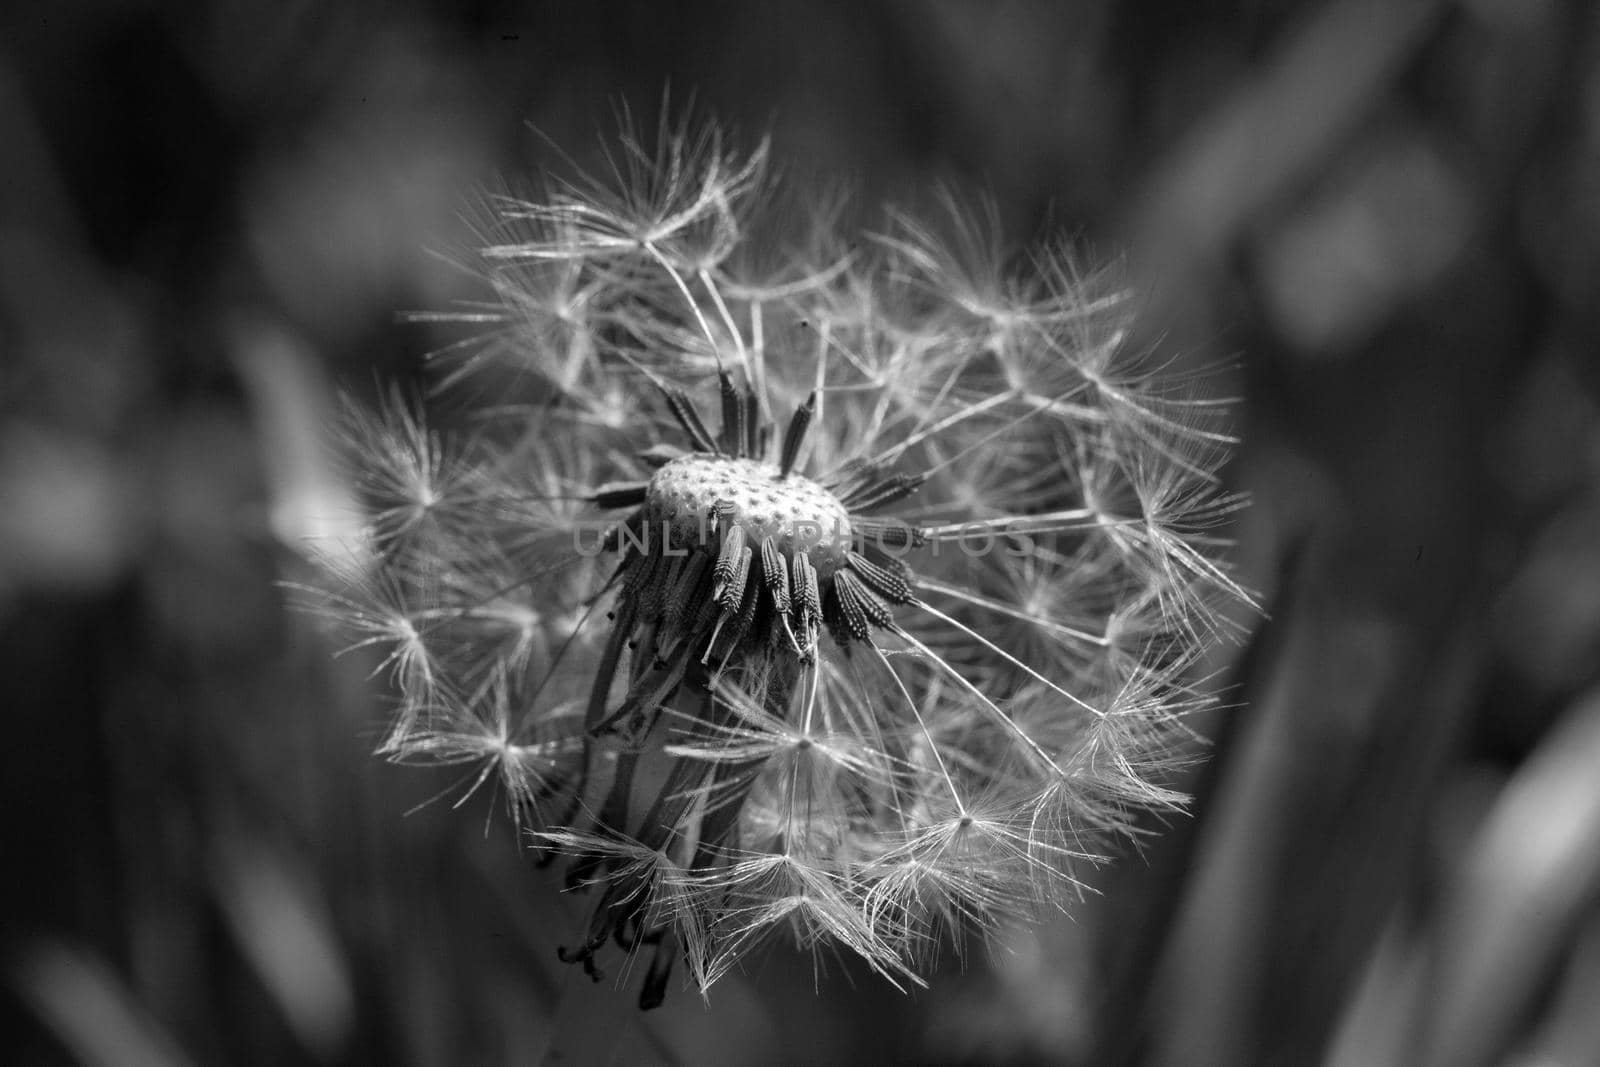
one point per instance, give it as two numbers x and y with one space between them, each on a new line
1383 215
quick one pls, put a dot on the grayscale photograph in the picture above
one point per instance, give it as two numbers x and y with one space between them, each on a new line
918 532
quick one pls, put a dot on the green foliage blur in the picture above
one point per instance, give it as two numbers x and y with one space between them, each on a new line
1383 216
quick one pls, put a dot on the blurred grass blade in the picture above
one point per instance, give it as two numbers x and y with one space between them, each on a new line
89 1008
1520 900
278 918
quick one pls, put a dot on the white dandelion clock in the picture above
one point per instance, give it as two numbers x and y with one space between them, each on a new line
850 596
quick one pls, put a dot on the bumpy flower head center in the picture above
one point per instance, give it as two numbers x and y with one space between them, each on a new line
795 512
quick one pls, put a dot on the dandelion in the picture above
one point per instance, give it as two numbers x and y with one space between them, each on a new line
847 588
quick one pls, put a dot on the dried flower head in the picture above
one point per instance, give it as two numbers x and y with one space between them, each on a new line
850 589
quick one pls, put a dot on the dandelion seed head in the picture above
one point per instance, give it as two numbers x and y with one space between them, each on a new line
849 592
